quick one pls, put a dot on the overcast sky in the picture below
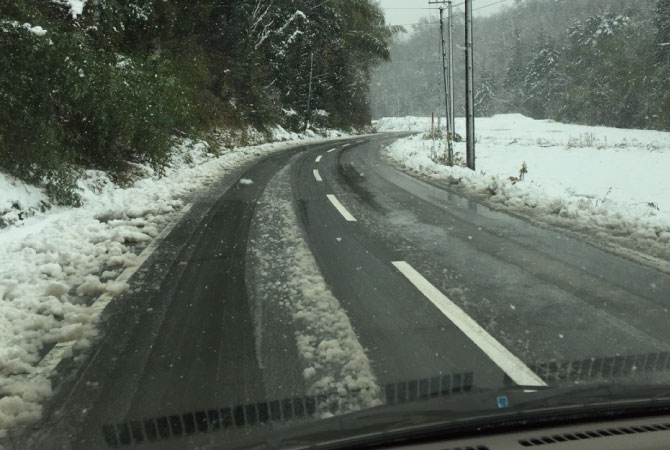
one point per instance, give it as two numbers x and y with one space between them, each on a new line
406 12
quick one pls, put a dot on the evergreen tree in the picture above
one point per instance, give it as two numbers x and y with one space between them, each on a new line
485 95
607 71
542 82
605 63
661 82
516 73
662 36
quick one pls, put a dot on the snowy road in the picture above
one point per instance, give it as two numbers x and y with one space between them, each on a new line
327 270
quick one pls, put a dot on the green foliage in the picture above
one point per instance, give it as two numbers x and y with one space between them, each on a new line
485 95
516 70
61 184
606 63
661 84
662 37
113 84
68 103
543 82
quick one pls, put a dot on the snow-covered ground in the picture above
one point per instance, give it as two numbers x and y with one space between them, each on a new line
54 260
610 184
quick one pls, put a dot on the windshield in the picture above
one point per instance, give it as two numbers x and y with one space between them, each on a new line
233 222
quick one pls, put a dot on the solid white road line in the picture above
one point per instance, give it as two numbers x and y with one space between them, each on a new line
336 203
510 364
317 176
318 158
331 150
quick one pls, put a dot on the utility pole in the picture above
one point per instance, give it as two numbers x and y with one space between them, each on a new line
469 89
445 73
309 95
450 148
450 56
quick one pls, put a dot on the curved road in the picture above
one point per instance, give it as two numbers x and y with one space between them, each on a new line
332 265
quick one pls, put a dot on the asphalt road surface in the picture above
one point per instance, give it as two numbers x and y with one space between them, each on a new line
415 284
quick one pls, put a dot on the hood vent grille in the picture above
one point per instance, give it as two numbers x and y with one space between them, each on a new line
594 434
469 447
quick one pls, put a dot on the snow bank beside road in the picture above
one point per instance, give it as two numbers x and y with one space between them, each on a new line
20 201
55 261
611 184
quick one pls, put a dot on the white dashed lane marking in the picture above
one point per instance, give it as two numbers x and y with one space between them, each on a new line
342 210
317 176
318 158
510 364
331 150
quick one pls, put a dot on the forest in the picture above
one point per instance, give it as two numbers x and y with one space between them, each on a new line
593 62
103 83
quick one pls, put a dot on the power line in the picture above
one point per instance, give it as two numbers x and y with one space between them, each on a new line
457 14
455 5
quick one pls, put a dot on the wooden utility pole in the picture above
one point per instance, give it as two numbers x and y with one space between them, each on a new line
450 57
308 118
445 73
469 89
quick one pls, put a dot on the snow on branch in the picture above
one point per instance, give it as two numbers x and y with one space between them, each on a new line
267 31
76 6
36 30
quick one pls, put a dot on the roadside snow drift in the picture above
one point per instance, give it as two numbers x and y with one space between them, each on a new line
611 184
55 261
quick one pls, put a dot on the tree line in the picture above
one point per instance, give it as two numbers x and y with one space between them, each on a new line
113 82
595 62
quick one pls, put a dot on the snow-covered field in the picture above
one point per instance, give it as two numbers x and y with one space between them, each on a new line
611 184
54 260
